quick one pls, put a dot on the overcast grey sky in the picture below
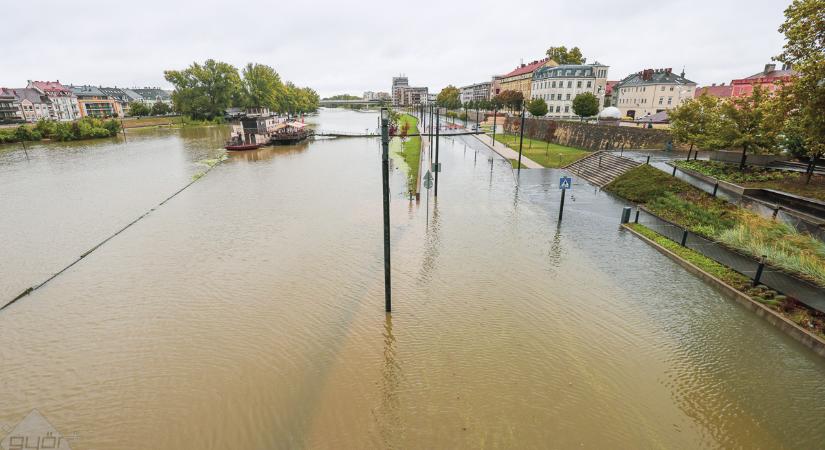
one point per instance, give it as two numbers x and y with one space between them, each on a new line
348 47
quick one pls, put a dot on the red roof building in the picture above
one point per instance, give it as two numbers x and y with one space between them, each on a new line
769 79
714 90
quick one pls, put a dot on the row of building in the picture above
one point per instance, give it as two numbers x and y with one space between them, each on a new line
643 94
55 101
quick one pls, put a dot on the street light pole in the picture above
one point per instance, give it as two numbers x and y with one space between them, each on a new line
385 176
495 119
437 134
520 139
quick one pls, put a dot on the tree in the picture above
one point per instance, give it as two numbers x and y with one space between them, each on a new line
562 56
743 124
696 122
537 107
205 91
138 109
509 99
262 87
343 97
449 97
586 105
160 109
804 30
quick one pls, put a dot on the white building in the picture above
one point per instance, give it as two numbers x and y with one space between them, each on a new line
63 103
559 85
34 105
651 91
476 92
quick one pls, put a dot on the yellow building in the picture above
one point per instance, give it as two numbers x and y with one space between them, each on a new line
521 79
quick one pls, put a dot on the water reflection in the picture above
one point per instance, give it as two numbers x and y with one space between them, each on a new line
389 418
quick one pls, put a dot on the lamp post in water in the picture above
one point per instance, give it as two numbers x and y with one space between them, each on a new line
520 140
385 175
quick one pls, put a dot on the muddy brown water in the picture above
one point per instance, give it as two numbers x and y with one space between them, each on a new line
247 312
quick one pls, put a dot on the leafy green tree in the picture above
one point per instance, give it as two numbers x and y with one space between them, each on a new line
262 87
696 122
510 99
586 105
804 30
743 124
537 107
138 109
562 56
23 133
449 97
160 109
343 97
204 91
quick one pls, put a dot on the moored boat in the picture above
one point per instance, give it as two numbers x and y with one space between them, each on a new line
240 147
290 133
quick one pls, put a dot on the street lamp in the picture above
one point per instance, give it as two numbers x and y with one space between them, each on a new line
385 176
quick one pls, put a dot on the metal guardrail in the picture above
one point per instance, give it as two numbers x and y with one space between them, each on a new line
804 291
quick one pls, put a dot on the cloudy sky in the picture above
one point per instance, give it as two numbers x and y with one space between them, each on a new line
349 47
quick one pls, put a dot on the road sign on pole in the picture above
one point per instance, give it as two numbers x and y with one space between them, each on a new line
428 180
565 183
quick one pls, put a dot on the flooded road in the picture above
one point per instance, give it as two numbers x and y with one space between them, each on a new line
247 312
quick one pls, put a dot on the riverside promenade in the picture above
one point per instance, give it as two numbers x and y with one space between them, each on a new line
507 152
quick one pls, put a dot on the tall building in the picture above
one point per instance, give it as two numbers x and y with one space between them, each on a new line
651 91
62 102
476 92
404 95
769 79
521 78
559 85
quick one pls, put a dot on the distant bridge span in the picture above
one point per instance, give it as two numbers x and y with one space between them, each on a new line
354 102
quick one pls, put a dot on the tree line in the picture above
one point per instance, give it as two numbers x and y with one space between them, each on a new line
791 118
205 91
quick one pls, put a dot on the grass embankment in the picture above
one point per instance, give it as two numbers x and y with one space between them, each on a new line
545 153
787 307
760 177
683 204
411 149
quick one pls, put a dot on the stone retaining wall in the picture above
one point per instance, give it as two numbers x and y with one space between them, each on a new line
591 136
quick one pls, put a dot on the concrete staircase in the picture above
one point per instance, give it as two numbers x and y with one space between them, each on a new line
601 168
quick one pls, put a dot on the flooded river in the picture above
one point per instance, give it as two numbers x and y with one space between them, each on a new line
247 312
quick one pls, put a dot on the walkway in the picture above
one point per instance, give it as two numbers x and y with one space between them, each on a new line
507 152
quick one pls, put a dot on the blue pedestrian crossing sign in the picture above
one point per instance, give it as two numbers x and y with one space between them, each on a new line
565 183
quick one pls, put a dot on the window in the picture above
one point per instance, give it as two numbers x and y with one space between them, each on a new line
579 84
661 99
554 84
670 100
570 84
671 89
588 84
558 108
566 109
568 97
663 88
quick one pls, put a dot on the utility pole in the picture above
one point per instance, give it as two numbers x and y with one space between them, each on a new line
520 140
385 175
495 111
437 134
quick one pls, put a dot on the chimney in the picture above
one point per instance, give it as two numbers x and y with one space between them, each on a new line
713 84
769 68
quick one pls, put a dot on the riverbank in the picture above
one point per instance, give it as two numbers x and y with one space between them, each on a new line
85 128
796 320
680 203
545 153
759 177
410 148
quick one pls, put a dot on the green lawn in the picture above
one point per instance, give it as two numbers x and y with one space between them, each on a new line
689 207
759 177
411 150
544 153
